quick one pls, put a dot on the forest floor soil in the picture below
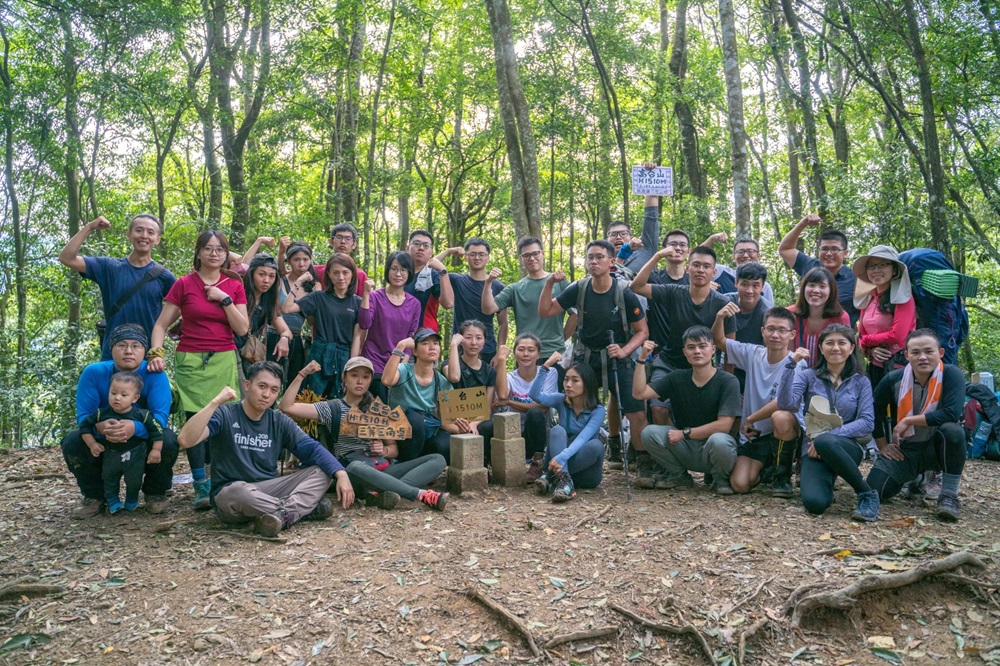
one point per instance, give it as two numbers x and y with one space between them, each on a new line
376 587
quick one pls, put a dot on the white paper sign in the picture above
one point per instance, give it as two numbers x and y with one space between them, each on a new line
658 181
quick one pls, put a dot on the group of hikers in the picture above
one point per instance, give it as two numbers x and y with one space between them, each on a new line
690 358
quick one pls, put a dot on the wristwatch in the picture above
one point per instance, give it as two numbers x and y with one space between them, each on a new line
443 271
226 302
687 433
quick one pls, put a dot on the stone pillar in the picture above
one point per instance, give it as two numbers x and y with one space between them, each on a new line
507 450
466 471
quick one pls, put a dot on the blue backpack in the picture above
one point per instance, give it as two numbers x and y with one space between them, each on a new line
946 316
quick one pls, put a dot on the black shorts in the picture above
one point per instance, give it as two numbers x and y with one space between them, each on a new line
918 457
760 449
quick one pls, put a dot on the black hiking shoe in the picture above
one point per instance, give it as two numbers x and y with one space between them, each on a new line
781 487
565 490
948 507
322 511
270 524
386 500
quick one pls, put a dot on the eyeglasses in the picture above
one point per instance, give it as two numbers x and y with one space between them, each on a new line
126 345
213 249
477 255
597 257
830 249
421 245
676 245
344 238
398 270
527 256
882 265
771 330
746 253
621 233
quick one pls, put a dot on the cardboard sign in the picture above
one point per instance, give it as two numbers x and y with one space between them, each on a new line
469 404
658 181
380 422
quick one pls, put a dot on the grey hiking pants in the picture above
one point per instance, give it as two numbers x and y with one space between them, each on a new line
715 455
297 494
405 478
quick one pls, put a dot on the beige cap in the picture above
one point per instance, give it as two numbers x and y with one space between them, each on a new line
359 362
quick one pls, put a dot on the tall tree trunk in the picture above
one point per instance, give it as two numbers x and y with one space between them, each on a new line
661 88
737 128
685 118
939 215
817 178
374 127
72 176
779 52
347 179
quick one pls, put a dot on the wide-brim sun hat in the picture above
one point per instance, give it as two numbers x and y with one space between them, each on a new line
900 290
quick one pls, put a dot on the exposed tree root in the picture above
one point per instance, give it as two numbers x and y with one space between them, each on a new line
677 630
596 632
507 616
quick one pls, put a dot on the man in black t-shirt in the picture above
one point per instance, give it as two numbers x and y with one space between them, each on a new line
469 295
705 403
246 440
750 280
601 340
680 307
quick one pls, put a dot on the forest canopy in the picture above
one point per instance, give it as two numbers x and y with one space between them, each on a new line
498 118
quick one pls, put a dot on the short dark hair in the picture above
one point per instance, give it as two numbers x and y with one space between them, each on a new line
475 240
126 377
922 333
420 232
675 232
345 261
146 216
618 223
404 260
265 366
604 245
852 365
471 323
529 240
832 307
747 239
591 384
832 234
697 333
344 226
780 313
751 271
202 241
705 250
531 337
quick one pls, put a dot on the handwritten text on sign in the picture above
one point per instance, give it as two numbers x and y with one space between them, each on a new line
469 404
658 181
380 422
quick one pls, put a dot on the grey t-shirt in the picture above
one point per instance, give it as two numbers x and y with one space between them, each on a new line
523 296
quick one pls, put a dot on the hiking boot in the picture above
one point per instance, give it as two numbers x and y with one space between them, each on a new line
543 485
722 487
646 471
948 507
565 490
87 508
115 505
781 487
868 505
386 500
131 504
614 447
932 485
673 481
322 511
202 495
535 467
434 499
768 475
270 524
156 504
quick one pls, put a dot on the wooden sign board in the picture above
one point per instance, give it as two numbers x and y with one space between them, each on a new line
469 404
380 422
658 181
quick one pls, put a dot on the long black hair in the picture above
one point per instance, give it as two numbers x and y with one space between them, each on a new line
852 365
590 384
269 299
832 307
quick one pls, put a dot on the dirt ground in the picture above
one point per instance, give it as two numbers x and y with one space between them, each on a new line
375 587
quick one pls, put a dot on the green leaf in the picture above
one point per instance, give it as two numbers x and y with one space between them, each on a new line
557 582
24 641
469 659
888 655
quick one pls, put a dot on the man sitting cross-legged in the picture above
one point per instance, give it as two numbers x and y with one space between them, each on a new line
704 403
246 440
761 443
924 400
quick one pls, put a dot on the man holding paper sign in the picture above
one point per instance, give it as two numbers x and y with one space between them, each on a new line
633 253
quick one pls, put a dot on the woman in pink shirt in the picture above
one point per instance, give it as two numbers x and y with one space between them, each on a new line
888 311
213 305
816 308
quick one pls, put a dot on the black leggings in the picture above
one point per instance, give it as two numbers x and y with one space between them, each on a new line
421 442
534 431
949 456
838 456
197 455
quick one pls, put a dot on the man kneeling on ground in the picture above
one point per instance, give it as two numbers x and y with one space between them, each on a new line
704 402
925 400
245 440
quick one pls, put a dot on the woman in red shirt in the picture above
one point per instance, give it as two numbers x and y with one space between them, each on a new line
888 311
815 309
213 305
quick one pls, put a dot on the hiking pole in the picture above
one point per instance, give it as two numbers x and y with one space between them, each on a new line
621 420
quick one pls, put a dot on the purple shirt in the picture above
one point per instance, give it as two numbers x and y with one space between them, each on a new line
387 324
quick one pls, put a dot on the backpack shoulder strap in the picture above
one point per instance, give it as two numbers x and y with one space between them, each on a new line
153 273
581 293
620 304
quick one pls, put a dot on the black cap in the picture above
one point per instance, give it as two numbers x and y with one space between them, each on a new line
425 333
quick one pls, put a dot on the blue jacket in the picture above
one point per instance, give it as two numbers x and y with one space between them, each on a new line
95 381
581 427
853 398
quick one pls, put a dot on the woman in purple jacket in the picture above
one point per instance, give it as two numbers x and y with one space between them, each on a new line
836 376
389 315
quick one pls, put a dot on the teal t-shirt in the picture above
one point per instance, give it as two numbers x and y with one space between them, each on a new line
523 296
408 394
